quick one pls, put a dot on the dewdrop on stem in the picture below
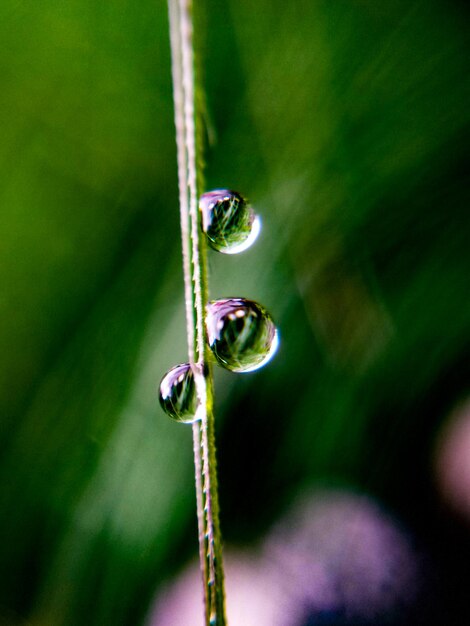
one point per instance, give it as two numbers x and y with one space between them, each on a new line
229 222
241 334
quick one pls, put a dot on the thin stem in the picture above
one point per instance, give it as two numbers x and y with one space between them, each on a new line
196 296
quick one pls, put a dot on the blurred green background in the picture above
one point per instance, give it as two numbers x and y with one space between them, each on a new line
345 123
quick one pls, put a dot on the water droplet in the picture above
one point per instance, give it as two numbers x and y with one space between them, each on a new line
229 222
178 396
241 334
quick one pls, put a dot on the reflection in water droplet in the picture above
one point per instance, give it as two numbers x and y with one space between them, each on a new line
229 222
241 334
178 396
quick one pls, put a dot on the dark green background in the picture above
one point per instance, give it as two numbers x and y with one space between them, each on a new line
345 123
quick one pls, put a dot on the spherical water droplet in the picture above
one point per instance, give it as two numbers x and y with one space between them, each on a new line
178 395
241 334
229 222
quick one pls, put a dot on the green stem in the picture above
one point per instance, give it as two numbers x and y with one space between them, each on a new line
196 296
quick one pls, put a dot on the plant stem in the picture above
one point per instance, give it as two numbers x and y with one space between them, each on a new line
196 296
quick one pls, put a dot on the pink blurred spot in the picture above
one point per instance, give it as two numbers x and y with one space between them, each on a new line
337 556
251 595
453 460
343 555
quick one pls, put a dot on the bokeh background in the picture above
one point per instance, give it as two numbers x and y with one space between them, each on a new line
345 463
